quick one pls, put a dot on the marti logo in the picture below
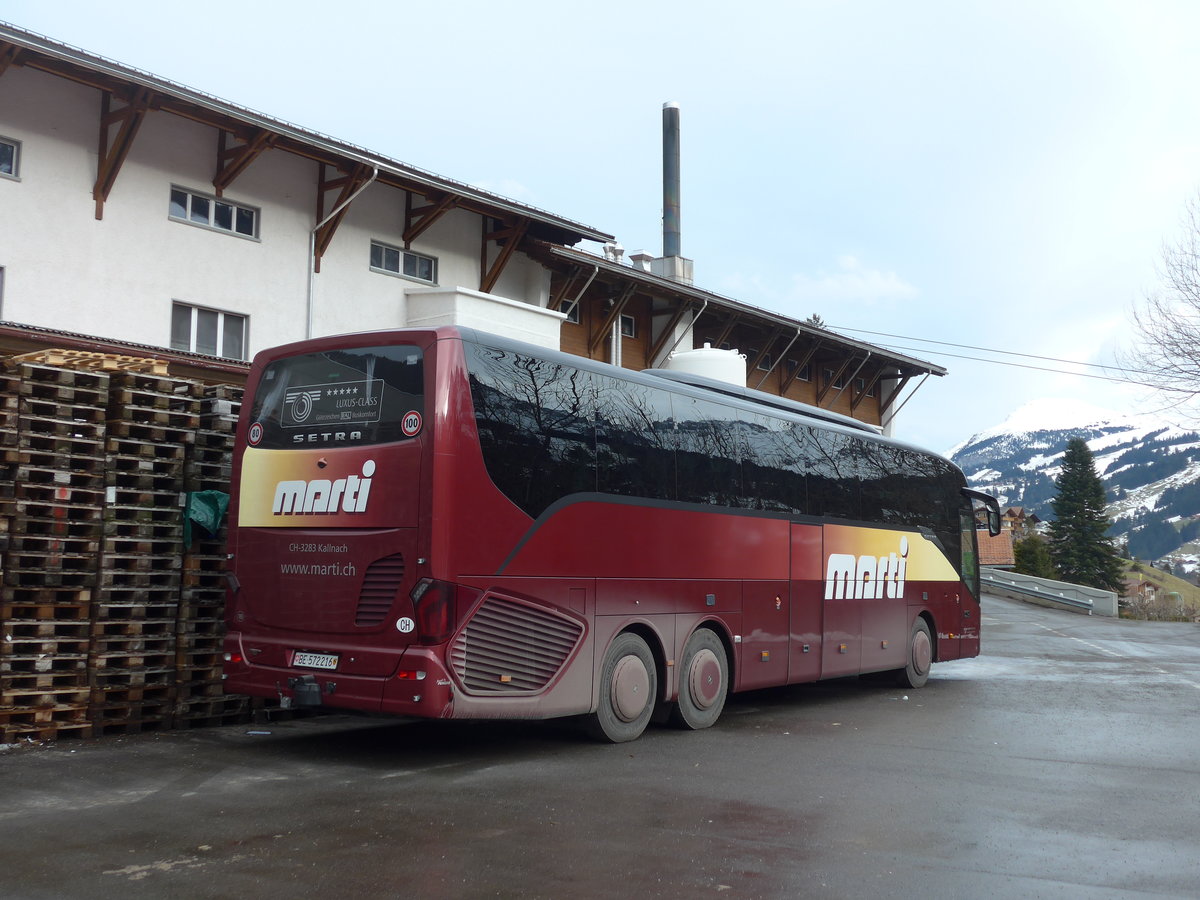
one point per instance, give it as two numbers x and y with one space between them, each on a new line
866 577
322 496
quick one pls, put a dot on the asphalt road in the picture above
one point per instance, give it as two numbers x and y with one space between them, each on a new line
1064 762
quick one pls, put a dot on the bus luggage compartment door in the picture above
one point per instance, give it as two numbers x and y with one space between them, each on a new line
807 587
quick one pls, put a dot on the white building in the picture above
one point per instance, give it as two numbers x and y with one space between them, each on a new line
141 211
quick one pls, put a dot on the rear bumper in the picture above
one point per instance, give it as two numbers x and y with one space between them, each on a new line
418 686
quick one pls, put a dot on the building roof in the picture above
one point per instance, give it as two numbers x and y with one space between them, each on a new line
660 286
24 48
995 549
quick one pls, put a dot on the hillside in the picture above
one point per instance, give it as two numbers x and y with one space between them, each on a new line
1150 467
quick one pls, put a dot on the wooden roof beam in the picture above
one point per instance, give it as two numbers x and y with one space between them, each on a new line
601 333
233 160
508 238
114 151
418 219
823 391
766 348
789 380
668 332
848 381
729 323
885 404
867 389
778 359
8 56
348 183
558 297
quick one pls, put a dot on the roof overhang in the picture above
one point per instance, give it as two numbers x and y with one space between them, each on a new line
30 50
656 285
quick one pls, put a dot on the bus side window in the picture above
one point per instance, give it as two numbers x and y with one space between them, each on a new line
707 453
536 427
833 482
635 456
771 477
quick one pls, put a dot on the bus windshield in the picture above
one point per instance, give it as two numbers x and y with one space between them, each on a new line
343 397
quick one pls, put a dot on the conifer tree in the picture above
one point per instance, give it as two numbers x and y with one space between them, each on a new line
1079 546
1032 557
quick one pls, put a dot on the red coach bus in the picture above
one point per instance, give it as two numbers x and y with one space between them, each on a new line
446 523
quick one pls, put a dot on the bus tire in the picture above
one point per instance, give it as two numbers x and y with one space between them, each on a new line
703 681
628 688
920 656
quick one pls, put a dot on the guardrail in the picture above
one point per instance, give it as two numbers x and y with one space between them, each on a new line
1053 594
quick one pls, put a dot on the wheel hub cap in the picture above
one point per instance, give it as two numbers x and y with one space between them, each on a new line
922 653
704 679
630 688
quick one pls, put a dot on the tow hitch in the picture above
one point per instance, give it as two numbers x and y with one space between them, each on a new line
305 691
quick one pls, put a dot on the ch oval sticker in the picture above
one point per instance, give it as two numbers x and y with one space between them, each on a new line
411 423
405 625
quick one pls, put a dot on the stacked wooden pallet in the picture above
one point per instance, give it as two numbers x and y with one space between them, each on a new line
54 487
201 700
150 424
108 622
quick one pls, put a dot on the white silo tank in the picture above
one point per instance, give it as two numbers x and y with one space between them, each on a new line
710 362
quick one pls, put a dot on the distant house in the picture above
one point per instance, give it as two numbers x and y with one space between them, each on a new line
996 550
1017 521
1137 587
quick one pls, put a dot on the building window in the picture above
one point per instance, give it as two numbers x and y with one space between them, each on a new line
10 157
860 385
395 261
628 326
209 212
208 331
838 382
572 312
805 373
765 363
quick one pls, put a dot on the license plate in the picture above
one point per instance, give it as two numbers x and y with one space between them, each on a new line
315 660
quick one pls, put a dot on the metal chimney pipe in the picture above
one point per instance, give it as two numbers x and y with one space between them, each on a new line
671 238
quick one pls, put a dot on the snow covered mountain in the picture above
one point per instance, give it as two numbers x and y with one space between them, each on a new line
1150 466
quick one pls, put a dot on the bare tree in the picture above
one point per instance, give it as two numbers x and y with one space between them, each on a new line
1167 350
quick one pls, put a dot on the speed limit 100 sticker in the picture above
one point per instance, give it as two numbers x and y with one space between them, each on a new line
255 434
411 423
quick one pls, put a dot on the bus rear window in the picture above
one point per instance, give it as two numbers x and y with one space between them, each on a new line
339 398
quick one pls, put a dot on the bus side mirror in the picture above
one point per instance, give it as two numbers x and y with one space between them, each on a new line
991 506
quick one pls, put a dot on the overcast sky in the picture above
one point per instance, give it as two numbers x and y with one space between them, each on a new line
994 174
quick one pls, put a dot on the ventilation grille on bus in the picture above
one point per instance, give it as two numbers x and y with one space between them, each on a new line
379 588
508 646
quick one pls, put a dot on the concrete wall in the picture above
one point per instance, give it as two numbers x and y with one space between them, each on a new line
1044 592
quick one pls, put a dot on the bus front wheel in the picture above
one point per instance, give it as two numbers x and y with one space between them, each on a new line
920 656
703 681
628 687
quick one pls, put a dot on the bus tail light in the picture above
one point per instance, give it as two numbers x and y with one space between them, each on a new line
435 608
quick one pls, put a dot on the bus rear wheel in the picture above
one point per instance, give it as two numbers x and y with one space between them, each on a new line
628 687
703 681
920 656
